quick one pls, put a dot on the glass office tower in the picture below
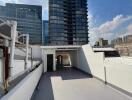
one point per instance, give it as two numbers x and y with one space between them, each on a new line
45 32
28 17
68 22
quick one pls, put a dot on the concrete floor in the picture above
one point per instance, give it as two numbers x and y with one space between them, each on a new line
74 85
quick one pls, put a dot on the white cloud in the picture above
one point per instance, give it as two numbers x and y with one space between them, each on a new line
90 16
8 1
106 30
32 2
109 26
128 30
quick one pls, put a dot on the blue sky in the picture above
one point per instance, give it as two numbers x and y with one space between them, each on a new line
107 18
104 10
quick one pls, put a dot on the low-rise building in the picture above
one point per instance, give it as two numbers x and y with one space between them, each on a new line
124 49
127 39
101 42
123 45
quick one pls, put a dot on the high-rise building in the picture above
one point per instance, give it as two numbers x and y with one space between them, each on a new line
28 17
68 22
45 32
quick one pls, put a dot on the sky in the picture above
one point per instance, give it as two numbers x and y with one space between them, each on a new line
108 19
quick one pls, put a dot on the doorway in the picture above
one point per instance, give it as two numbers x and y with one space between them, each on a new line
49 62
59 61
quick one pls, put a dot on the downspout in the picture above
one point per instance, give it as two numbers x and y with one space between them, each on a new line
6 66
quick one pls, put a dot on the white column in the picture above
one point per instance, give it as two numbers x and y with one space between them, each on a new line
78 62
12 49
27 50
45 62
54 61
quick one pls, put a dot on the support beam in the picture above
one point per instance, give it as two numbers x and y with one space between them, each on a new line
27 48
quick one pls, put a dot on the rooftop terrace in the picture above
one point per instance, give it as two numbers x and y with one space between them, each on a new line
71 84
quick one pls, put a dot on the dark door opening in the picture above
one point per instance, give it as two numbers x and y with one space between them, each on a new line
5 56
50 62
59 62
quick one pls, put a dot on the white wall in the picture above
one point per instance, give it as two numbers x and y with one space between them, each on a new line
25 89
18 68
36 52
22 52
90 62
118 70
73 55
119 75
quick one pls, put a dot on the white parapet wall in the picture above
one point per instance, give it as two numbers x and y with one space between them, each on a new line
90 62
19 66
117 70
119 75
25 89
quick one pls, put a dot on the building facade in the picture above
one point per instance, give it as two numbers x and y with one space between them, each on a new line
127 39
101 42
45 32
123 45
125 49
28 17
117 41
68 22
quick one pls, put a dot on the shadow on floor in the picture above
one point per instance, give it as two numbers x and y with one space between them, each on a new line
45 89
70 74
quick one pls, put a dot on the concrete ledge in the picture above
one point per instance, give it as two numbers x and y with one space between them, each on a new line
25 89
121 90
